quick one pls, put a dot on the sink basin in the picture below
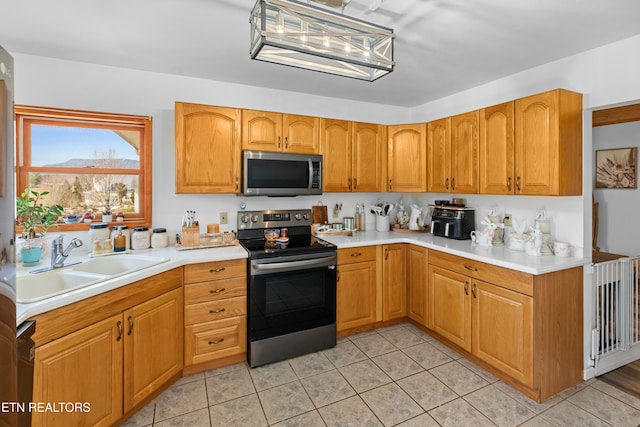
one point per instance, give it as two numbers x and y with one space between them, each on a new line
117 264
32 288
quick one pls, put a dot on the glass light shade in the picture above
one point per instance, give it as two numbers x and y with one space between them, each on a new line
292 33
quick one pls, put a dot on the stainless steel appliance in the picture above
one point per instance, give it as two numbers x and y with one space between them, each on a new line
8 339
281 174
455 222
291 295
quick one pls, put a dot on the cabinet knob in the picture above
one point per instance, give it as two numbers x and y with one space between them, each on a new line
220 310
217 291
218 341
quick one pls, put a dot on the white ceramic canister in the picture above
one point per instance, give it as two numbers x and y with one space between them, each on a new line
98 231
159 238
140 238
125 230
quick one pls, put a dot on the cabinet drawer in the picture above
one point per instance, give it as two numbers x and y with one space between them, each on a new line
215 290
212 340
214 270
507 278
351 255
215 310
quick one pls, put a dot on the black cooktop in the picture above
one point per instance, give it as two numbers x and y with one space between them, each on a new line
261 248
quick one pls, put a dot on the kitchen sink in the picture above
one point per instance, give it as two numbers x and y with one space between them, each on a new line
32 288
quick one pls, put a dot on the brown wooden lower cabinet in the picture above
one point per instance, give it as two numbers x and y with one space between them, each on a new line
214 312
417 276
527 327
111 351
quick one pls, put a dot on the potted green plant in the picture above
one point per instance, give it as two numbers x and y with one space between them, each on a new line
35 218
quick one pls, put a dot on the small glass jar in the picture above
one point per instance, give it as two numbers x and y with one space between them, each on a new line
140 238
127 235
159 238
99 231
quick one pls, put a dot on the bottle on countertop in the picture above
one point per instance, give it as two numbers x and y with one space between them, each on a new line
357 217
363 219
119 241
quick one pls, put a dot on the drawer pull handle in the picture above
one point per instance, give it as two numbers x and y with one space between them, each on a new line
216 270
119 325
220 310
509 184
466 288
130 320
518 183
217 291
218 341
473 291
356 254
470 268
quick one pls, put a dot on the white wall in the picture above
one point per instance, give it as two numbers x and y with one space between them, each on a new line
618 227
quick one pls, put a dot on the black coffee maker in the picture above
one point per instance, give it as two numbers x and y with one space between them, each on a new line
452 221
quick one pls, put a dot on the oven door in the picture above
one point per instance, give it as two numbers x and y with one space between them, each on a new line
291 294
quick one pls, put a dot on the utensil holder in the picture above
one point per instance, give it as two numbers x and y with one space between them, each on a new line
191 236
382 223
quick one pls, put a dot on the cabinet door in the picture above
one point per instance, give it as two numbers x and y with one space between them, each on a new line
438 156
497 149
261 130
407 158
85 366
335 145
394 282
450 305
537 144
153 345
464 153
418 272
356 295
369 160
502 330
301 134
207 149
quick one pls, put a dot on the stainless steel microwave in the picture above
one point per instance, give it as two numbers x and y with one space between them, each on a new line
281 174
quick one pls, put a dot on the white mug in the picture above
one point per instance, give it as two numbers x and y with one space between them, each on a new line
482 238
561 249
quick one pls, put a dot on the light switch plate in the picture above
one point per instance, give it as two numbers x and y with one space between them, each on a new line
223 218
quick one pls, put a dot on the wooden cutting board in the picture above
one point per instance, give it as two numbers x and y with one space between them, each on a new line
319 214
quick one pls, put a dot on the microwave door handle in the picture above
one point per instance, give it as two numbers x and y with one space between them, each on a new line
310 174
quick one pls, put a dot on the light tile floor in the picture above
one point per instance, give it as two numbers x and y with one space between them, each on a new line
392 376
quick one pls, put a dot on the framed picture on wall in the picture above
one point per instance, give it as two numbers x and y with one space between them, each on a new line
617 168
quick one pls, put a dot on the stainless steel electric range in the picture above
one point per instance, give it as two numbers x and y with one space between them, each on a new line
291 285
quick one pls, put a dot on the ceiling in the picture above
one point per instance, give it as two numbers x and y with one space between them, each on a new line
442 46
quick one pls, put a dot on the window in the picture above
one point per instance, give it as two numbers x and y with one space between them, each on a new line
90 163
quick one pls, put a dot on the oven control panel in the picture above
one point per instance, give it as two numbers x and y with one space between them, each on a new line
273 218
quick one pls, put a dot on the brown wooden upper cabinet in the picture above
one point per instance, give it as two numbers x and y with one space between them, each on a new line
269 131
533 145
353 156
207 149
452 156
407 158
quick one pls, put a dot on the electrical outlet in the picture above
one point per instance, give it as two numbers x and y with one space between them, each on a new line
223 218
507 220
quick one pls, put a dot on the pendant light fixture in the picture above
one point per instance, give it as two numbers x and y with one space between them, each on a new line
300 35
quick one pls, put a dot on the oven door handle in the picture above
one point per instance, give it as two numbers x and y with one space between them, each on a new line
293 265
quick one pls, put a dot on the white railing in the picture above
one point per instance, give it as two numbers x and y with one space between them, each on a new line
616 311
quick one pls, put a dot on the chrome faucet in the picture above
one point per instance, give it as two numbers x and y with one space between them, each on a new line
58 256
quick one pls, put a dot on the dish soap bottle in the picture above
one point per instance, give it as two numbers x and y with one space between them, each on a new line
119 242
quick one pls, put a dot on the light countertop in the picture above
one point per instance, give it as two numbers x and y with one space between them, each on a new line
498 255
174 259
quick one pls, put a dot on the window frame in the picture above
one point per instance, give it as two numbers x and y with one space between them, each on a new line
26 115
